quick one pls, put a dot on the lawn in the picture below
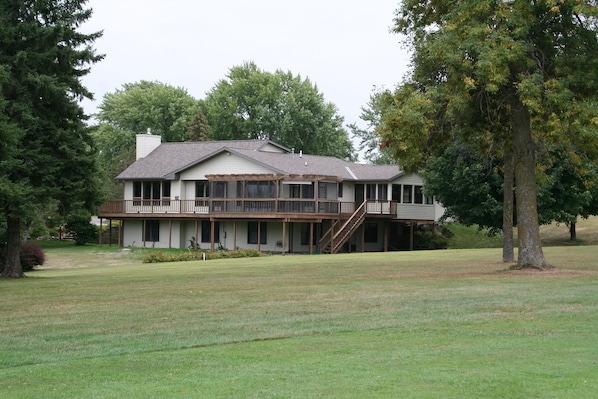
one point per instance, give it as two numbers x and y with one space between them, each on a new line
97 323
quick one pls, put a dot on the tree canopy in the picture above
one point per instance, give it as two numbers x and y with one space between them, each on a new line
48 159
508 73
470 185
254 104
167 110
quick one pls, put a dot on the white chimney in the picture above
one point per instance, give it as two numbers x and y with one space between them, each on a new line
146 143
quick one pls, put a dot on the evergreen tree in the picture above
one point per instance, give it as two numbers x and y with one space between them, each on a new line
48 157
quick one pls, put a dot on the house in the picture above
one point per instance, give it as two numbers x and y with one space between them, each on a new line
259 194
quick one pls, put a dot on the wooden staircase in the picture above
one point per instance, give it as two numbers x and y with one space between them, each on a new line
331 241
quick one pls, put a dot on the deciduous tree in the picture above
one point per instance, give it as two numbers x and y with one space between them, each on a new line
254 104
482 67
131 110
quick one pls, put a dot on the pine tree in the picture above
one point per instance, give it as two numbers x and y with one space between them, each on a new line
48 157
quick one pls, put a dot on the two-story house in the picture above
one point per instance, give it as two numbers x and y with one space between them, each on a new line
259 194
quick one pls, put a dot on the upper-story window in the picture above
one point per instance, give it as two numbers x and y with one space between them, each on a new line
151 190
327 190
407 194
383 192
260 189
202 189
411 194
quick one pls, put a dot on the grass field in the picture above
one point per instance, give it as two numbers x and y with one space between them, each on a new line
97 323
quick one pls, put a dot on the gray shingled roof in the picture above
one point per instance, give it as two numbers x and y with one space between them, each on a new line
170 158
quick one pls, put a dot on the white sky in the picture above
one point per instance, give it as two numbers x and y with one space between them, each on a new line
343 46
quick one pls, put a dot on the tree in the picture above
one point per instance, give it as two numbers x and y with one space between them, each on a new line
470 186
165 109
48 158
369 139
481 68
198 128
254 104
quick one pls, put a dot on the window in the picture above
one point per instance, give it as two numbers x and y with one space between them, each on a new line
151 190
202 189
260 189
407 194
371 232
252 232
429 200
322 190
152 230
396 192
206 231
219 189
308 190
418 198
370 191
137 190
382 191
166 189
340 190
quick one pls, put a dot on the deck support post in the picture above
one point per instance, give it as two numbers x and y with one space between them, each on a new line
284 236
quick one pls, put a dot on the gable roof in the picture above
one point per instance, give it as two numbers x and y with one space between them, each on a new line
168 159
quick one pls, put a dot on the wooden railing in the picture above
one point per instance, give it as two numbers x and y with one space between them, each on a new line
208 206
226 205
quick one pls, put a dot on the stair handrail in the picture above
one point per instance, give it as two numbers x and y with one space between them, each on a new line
356 219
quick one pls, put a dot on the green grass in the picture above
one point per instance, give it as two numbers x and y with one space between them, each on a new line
97 323
552 235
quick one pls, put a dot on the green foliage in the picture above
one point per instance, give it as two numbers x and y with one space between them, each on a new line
240 253
369 139
430 240
84 232
503 75
131 110
48 159
134 108
198 128
159 256
254 104
469 185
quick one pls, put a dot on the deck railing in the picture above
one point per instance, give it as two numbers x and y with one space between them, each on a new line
243 205
226 205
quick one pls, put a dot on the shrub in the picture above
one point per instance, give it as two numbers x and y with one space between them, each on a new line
241 253
157 257
31 255
430 240
83 231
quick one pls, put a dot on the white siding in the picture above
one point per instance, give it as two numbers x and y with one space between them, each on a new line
416 212
224 164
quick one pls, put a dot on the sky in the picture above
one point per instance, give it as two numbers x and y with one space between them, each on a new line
344 47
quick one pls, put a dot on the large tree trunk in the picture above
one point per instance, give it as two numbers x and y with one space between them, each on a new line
572 232
530 249
508 255
12 268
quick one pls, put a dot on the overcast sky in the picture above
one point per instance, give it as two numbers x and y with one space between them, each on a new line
343 46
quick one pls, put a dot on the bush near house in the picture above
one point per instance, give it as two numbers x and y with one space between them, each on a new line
158 256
